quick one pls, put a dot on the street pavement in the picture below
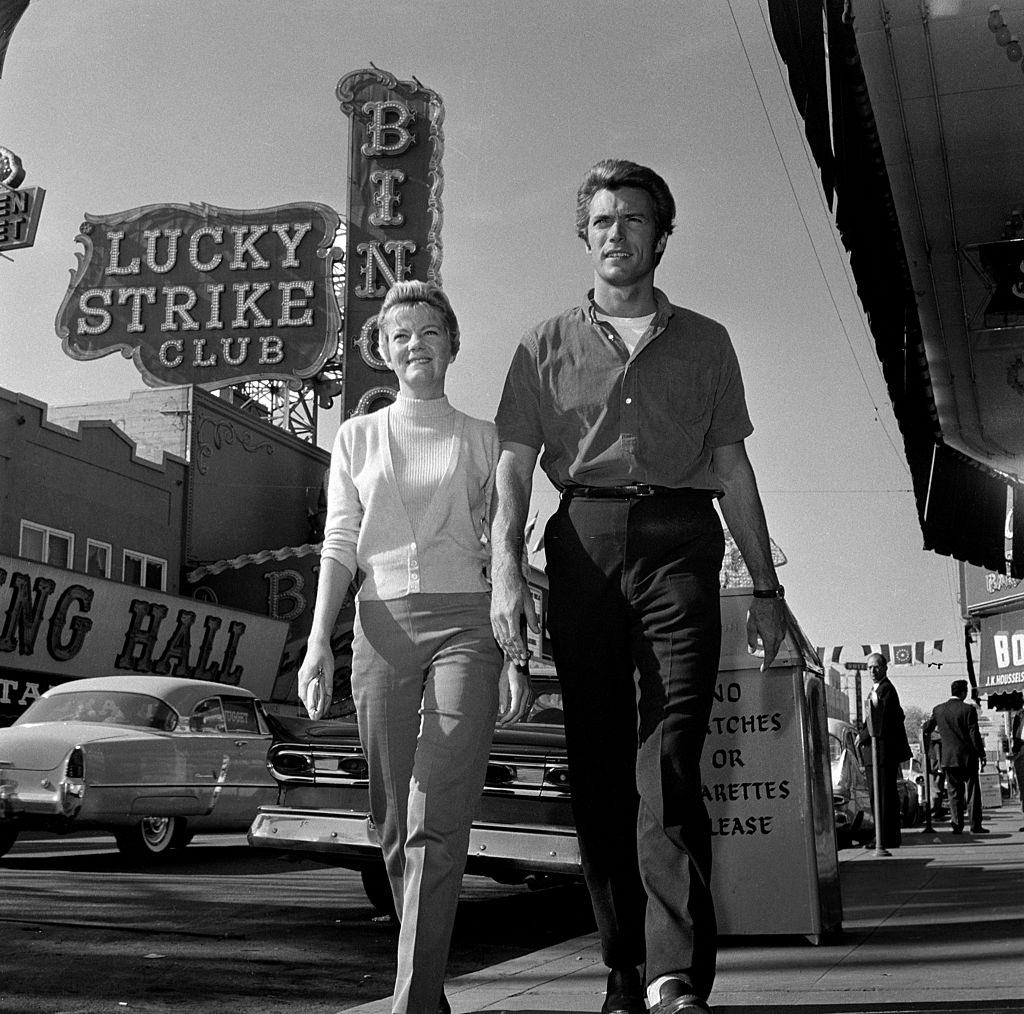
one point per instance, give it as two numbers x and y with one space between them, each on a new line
936 926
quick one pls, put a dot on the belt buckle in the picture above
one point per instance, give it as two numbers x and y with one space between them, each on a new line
643 489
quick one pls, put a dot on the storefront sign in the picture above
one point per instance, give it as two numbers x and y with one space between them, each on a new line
985 591
65 625
394 214
19 216
281 584
203 295
1002 652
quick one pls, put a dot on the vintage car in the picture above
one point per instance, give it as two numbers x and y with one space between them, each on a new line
151 759
523 830
851 792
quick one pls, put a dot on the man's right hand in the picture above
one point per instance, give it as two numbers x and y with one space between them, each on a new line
511 604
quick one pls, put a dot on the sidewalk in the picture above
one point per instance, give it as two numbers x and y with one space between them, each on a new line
937 926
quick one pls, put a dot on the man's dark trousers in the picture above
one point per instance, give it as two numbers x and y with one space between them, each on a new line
964 788
634 587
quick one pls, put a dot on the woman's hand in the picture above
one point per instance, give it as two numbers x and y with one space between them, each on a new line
515 694
316 679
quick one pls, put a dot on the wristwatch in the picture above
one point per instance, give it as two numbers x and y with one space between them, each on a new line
770 593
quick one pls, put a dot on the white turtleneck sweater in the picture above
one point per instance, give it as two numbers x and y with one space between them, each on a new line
421 437
408 499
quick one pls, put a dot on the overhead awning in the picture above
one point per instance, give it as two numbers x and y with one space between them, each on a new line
962 503
10 13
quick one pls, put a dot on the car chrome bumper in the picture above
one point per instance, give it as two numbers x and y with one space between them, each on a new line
62 802
531 848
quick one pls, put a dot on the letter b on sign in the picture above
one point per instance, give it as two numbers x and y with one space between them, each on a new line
1009 648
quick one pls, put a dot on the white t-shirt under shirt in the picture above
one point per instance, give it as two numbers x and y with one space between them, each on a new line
630 329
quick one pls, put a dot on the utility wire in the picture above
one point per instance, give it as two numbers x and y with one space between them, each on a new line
900 457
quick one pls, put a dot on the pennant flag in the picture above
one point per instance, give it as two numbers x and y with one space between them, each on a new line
876 649
902 654
905 653
837 651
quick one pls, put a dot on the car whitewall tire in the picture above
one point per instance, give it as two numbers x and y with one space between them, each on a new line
152 836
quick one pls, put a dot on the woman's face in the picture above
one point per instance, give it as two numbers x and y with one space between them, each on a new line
418 349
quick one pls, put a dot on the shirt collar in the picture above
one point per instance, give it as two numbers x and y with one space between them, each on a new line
662 312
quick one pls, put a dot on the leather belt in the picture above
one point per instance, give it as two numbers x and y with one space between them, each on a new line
632 491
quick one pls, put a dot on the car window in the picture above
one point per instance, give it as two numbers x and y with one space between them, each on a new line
240 714
106 707
546 710
207 716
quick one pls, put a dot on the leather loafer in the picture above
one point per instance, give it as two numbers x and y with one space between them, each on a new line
980 830
625 994
677 997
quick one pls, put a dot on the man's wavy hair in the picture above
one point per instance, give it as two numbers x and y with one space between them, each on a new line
616 173
417 293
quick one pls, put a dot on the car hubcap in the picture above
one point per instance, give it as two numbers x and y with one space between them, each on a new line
155 830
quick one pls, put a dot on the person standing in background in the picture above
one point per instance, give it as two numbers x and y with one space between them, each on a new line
1017 752
886 724
963 754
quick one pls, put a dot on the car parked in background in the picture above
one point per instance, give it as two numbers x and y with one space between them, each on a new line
523 831
851 789
151 759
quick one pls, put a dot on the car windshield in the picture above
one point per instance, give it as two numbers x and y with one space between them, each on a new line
110 707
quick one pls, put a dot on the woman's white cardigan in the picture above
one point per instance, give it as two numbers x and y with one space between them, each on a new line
369 529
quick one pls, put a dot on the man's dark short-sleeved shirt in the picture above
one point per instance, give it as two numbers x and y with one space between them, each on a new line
602 418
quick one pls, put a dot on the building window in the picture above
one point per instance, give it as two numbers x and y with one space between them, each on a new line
47 545
145 571
97 558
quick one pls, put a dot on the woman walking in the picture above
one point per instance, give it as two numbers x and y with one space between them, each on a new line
409 505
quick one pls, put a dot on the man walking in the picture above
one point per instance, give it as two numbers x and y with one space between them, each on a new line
963 752
886 724
639 409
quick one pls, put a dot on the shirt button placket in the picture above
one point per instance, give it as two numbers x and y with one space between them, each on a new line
630 433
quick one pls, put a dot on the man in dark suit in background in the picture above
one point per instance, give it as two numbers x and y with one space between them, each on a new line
963 753
1017 752
886 724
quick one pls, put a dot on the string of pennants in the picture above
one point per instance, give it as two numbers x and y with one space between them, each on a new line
905 653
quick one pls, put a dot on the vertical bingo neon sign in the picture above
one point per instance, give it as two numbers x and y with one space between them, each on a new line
394 215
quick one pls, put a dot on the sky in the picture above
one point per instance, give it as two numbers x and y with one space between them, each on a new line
115 104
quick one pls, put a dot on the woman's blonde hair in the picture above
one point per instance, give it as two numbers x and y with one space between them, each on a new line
415 293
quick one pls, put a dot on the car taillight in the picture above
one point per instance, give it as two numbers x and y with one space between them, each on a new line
75 767
500 774
557 776
354 767
292 763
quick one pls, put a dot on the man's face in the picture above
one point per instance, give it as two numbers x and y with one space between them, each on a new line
877 667
621 236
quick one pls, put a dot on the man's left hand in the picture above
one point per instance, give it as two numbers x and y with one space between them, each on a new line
766 625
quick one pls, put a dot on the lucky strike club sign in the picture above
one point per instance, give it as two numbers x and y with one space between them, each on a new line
197 294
